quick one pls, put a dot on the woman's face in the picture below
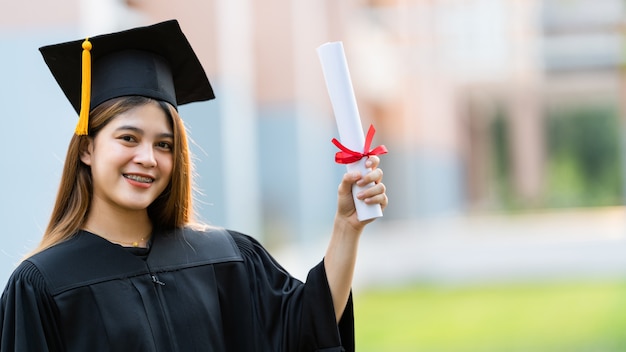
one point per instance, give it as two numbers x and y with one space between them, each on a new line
131 159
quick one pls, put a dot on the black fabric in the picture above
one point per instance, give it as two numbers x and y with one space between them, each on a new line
195 291
132 72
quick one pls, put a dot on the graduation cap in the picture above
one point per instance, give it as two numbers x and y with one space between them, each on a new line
154 61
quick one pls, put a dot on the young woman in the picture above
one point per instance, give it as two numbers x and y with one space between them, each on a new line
123 267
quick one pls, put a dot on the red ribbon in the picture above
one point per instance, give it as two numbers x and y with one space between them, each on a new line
347 156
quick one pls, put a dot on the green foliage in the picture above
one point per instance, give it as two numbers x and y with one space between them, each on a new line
583 158
550 317
584 165
500 156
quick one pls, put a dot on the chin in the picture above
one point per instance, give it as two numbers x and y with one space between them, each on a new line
136 205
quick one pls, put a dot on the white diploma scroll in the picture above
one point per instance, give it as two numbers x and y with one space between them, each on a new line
346 112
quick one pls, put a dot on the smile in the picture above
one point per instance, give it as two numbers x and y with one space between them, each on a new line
137 178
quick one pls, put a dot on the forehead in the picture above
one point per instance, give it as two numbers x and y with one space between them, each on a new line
145 118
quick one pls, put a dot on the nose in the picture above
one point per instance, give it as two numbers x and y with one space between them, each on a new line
145 156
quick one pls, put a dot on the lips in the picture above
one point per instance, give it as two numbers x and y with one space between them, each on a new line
139 178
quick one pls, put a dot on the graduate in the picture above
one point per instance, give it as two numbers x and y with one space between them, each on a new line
122 266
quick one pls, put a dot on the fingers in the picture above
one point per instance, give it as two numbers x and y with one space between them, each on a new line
372 162
370 195
374 195
375 176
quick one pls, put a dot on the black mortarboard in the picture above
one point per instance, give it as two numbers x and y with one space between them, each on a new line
154 61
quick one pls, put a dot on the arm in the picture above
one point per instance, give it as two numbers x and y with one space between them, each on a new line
341 254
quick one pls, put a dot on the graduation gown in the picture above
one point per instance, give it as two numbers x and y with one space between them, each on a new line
193 291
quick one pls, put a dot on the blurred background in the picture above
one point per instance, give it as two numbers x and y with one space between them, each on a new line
506 173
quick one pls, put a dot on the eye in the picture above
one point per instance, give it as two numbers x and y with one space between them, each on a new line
127 138
164 145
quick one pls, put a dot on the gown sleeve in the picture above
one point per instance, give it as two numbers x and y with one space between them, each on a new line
27 313
297 316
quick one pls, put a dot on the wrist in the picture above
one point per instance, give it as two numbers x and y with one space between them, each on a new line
344 227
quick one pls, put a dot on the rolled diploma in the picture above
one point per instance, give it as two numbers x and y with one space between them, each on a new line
342 99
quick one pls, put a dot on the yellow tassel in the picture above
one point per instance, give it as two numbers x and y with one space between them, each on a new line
82 128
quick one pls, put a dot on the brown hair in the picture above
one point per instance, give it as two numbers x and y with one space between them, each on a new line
172 208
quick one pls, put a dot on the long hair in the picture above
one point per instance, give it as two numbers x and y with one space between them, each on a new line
173 208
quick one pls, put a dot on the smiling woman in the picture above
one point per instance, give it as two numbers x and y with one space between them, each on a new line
131 165
122 265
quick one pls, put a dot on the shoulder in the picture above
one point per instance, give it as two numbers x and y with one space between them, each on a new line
217 240
26 274
246 244
213 235
63 251
83 260
58 256
243 241
256 256
174 249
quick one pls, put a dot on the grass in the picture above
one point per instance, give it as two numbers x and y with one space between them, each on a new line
572 317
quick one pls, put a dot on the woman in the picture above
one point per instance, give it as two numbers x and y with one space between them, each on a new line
122 267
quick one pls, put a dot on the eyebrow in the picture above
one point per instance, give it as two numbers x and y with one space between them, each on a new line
141 132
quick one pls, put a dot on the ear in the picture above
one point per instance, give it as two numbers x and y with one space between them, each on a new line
86 150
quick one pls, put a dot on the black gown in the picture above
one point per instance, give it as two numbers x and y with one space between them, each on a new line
192 291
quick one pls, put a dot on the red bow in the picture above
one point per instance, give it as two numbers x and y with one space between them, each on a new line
347 156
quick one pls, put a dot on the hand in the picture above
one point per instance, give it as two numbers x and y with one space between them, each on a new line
346 210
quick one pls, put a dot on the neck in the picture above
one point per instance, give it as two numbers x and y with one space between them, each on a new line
122 226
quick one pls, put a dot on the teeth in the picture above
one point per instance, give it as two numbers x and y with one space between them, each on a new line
139 178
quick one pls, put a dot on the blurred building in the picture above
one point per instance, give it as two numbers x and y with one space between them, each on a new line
457 89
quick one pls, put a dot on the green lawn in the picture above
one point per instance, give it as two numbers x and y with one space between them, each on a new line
567 317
